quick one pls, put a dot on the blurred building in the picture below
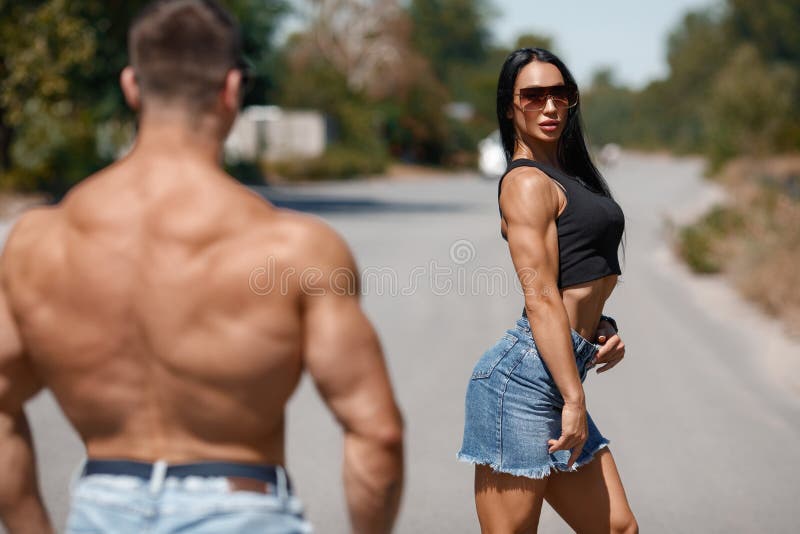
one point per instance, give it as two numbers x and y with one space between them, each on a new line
269 133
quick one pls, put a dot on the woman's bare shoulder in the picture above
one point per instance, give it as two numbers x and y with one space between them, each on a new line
528 190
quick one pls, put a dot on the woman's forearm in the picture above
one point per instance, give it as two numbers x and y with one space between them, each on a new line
552 335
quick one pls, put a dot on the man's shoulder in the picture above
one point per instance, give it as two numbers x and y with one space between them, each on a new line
307 239
30 228
30 237
304 225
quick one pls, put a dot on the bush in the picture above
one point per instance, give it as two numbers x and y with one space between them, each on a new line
698 243
338 163
695 246
754 240
246 172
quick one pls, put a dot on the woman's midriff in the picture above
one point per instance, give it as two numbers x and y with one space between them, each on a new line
584 303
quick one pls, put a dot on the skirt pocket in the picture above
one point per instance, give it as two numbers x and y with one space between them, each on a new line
493 356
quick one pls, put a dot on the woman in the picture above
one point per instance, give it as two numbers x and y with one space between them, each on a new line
527 430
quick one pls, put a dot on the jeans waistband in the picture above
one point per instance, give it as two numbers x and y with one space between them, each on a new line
160 470
584 348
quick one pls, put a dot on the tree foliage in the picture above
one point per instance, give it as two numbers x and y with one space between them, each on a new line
385 73
451 32
754 114
59 64
732 87
772 26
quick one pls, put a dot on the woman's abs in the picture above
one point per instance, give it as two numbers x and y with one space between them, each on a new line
584 303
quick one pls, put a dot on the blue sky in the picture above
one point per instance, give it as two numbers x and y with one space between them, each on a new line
628 35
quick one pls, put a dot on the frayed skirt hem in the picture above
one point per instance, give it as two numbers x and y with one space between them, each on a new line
536 473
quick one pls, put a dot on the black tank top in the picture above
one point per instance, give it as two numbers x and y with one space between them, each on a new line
589 229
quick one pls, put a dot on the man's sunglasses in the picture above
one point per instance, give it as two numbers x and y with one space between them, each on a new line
535 98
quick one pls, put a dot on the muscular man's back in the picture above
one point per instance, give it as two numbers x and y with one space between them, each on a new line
172 312
136 304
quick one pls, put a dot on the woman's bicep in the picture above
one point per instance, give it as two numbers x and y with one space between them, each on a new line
534 253
530 207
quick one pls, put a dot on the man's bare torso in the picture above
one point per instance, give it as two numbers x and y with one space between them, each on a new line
135 303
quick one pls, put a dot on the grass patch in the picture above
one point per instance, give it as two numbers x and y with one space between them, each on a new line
700 243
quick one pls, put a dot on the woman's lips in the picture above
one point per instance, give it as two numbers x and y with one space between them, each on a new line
549 126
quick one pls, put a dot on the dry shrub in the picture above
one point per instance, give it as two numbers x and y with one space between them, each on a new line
767 269
760 249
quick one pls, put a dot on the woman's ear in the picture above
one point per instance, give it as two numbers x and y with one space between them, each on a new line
130 88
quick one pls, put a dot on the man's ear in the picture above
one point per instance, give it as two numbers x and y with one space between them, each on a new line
130 88
231 95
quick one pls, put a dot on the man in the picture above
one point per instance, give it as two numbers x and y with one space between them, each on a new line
140 301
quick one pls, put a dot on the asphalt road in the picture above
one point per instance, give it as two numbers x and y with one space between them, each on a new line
706 440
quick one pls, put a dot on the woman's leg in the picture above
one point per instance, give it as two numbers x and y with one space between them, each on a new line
592 499
506 503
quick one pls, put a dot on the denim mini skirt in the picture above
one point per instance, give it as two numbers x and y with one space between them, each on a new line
513 407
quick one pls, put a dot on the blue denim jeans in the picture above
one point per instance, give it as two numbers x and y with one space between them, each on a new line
123 504
513 407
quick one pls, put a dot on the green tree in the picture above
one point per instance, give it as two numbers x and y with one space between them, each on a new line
607 109
719 59
753 108
59 65
534 40
44 47
697 49
772 26
451 32
355 63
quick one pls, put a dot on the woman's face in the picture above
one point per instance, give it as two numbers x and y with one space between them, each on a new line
544 125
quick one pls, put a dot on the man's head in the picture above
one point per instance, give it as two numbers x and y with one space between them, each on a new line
184 54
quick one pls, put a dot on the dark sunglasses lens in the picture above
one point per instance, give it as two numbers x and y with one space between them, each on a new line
532 97
567 94
535 98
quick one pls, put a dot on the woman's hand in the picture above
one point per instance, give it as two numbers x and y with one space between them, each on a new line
574 431
612 349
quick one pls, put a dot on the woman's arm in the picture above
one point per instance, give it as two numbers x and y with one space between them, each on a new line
612 349
530 205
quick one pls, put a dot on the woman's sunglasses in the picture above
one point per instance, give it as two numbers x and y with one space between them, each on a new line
535 98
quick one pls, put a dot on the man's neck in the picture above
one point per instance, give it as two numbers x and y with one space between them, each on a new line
172 134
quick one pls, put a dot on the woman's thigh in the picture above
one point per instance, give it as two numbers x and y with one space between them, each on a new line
506 503
592 498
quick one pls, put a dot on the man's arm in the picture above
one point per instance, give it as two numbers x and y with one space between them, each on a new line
344 357
21 507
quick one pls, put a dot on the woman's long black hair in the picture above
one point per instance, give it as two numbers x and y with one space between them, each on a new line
572 153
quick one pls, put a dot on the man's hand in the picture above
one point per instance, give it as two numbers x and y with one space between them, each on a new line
612 349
